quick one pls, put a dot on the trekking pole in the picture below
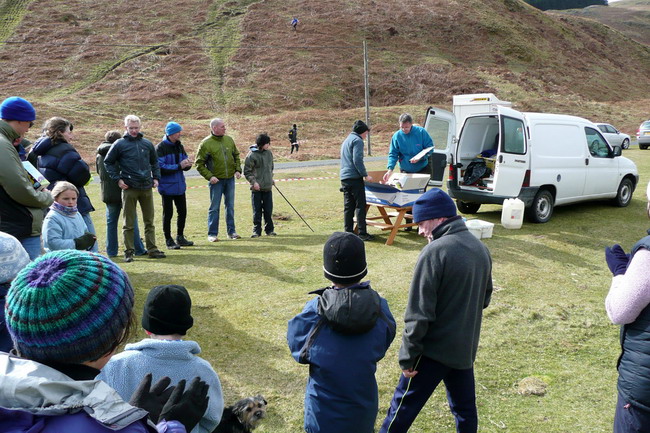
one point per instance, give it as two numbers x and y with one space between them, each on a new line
294 209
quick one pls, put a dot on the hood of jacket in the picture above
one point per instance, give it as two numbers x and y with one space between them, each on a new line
8 131
166 349
42 145
29 386
350 310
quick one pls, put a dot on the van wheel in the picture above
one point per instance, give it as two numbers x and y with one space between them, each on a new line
468 207
625 144
542 208
624 194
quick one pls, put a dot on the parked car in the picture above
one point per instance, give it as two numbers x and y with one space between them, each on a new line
614 136
643 135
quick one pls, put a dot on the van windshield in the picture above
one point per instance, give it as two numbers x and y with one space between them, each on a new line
512 131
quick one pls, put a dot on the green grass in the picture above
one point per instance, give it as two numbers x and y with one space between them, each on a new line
546 319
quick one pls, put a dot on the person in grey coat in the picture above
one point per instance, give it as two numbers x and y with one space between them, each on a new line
452 284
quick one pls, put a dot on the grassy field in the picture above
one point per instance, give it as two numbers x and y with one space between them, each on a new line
546 321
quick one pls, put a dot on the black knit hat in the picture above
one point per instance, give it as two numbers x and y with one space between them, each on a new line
360 127
167 310
344 258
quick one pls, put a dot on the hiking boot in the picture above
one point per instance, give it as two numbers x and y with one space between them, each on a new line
366 237
180 240
156 254
212 238
172 245
128 256
255 235
271 234
234 235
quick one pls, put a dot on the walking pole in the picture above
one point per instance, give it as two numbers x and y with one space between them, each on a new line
294 209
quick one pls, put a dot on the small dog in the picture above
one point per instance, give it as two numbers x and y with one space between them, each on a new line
243 416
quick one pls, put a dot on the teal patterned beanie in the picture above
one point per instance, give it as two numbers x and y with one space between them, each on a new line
68 306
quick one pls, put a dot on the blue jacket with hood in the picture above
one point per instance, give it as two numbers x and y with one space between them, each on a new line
172 179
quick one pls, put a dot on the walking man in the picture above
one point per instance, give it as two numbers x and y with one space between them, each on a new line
132 162
293 138
217 160
353 173
452 284
173 162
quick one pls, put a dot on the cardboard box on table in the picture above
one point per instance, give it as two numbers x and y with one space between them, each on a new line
401 190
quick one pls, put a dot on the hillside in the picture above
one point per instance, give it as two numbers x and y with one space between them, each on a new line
191 60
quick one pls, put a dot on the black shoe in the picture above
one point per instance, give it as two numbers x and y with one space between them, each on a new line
366 237
172 245
271 234
128 256
255 235
180 240
408 229
157 254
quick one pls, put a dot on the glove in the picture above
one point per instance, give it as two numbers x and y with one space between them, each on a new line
187 408
152 399
84 241
617 260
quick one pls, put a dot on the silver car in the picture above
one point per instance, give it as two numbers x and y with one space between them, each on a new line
643 135
614 136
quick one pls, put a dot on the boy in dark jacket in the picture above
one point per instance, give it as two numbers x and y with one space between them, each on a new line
173 162
342 334
258 170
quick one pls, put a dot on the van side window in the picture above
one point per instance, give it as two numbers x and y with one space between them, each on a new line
513 136
597 144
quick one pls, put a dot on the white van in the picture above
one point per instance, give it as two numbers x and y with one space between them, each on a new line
545 160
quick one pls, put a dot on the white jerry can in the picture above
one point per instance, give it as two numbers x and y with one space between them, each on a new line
512 215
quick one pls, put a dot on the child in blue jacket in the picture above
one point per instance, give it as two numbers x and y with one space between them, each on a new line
342 334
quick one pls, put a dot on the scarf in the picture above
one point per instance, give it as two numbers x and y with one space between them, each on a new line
64 210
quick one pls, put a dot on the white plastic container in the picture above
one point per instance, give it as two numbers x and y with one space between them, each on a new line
479 228
512 215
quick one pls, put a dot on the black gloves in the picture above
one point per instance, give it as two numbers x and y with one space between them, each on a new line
152 399
617 260
188 408
84 241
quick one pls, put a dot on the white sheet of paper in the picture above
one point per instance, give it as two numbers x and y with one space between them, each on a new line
423 152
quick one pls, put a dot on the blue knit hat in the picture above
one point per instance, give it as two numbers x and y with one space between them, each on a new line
434 203
68 306
13 257
173 128
15 108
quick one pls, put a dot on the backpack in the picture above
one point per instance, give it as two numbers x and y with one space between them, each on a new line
292 135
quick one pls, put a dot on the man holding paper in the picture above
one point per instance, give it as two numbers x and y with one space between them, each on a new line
411 146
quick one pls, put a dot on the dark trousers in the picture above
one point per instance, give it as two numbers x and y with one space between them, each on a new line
630 419
295 145
411 395
262 205
354 202
168 202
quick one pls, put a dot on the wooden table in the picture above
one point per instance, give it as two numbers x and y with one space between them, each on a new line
386 215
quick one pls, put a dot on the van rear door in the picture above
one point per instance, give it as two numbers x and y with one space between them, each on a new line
441 126
513 156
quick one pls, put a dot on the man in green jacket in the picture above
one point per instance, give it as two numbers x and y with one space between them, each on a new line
217 160
21 204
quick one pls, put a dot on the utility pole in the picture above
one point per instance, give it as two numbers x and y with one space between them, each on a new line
367 90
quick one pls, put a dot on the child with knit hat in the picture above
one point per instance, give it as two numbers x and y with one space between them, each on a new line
64 227
67 312
342 334
166 319
13 258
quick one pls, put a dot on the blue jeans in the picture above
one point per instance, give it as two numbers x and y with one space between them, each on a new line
32 245
112 218
91 229
225 187
411 395
629 418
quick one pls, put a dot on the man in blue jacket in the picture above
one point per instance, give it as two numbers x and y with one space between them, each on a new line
353 173
133 163
406 143
173 162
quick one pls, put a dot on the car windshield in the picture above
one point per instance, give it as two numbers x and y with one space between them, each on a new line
602 128
645 125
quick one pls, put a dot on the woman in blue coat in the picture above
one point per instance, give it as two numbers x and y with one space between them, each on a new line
342 334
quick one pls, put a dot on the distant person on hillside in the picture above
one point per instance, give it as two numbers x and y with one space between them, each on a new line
173 162
294 25
293 138
112 195
217 160
342 334
353 174
258 170
627 305
21 205
406 143
132 162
